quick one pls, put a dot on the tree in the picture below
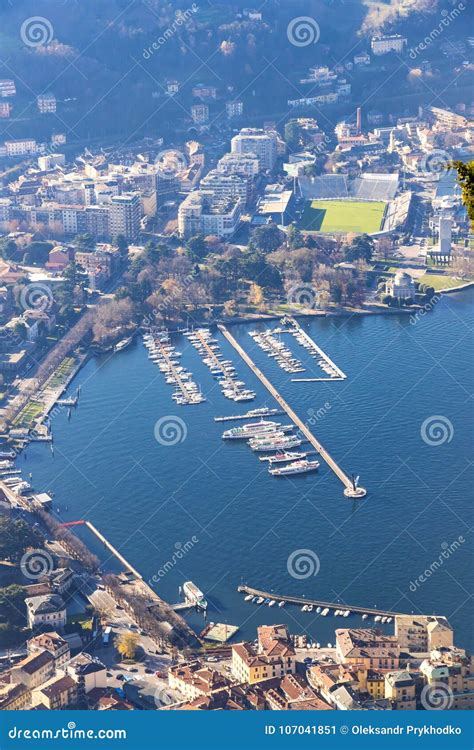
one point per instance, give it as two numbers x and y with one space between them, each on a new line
197 247
294 237
293 135
127 644
361 248
85 243
266 238
122 244
256 295
466 180
16 536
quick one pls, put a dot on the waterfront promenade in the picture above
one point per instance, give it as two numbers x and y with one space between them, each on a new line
349 489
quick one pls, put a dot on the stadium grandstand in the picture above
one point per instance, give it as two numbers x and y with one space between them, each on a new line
367 187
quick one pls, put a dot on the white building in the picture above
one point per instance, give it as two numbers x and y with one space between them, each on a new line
401 286
245 165
124 215
48 609
46 163
7 88
21 147
256 141
202 213
382 45
445 235
200 114
234 109
226 185
46 103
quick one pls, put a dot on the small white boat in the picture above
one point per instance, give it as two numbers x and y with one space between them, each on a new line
282 603
271 603
377 618
364 617
248 598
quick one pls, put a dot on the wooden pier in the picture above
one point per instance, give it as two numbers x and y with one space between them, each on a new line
319 603
349 489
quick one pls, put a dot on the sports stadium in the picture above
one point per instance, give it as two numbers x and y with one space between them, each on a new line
337 204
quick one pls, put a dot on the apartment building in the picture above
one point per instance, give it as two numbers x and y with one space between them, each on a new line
226 186
202 213
256 141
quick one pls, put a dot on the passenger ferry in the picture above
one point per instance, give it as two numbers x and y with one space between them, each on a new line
194 595
296 467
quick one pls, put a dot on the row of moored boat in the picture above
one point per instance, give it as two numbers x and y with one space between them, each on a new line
221 369
166 357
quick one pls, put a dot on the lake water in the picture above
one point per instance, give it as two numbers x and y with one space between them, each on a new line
207 510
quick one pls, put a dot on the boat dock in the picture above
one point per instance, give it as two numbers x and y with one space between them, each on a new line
312 345
318 603
234 417
216 361
350 490
174 372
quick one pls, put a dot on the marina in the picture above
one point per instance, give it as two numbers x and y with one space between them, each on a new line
186 392
351 487
275 348
325 362
222 370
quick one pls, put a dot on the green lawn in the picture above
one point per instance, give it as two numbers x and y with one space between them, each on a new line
342 216
438 281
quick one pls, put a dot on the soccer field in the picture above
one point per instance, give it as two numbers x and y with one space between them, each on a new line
342 216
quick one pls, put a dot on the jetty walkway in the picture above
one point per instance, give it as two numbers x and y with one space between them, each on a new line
319 602
349 489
